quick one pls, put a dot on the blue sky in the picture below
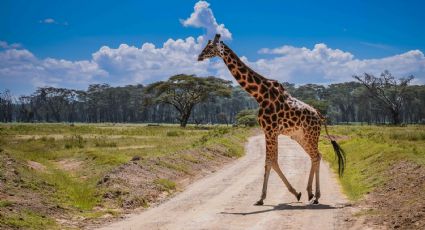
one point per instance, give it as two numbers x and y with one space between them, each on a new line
60 39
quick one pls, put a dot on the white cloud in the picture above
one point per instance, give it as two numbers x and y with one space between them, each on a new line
48 21
325 65
22 67
203 17
53 21
116 66
5 45
148 63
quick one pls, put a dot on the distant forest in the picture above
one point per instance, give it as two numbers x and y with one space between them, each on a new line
367 99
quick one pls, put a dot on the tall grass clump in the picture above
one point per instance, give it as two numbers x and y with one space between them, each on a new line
75 141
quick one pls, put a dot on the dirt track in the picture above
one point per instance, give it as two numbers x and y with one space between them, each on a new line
224 200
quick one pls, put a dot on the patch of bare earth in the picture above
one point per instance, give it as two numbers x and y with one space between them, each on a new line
69 165
337 137
133 185
19 191
36 166
400 202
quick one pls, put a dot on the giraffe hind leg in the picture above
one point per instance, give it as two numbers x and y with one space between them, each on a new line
310 181
317 194
311 149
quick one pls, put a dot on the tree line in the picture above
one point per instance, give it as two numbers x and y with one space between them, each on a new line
189 99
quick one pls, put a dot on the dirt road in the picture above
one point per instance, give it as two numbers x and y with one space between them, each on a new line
224 200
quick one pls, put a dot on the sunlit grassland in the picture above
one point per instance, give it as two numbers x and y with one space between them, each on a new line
370 151
73 158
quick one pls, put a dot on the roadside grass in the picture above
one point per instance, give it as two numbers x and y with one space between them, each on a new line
27 219
165 184
370 151
98 148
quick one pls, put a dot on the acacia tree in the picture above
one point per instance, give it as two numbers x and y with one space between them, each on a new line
183 92
389 92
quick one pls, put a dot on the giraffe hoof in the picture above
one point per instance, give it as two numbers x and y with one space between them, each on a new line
310 196
299 196
260 202
315 202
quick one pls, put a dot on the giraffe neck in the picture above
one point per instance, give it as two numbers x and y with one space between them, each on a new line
248 79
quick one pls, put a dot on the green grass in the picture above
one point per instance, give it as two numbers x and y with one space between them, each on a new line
28 219
370 151
165 184
100 148
5 203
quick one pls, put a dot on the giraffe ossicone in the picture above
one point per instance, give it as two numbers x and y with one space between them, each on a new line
279 113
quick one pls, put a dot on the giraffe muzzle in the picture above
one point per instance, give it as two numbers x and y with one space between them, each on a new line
200 58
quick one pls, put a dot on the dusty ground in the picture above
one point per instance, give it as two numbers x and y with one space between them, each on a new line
224 200
400 202
132 185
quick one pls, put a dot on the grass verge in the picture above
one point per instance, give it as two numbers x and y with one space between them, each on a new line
371 151
58 171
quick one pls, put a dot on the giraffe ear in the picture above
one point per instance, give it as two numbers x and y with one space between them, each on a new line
216 38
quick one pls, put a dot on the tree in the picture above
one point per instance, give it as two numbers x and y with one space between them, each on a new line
343 100
183 92
247 117
222 117
389 92
6 106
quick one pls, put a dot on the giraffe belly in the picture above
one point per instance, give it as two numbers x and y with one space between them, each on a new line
296 133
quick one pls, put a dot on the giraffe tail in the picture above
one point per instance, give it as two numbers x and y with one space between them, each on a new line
339 152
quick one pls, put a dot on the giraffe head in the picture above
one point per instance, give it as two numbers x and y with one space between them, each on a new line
212 49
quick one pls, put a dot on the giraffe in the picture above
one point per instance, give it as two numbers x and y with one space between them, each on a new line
279 113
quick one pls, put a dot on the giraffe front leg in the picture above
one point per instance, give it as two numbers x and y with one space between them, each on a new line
267 168
271 151
285 181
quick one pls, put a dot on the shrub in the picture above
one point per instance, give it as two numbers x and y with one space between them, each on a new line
247 117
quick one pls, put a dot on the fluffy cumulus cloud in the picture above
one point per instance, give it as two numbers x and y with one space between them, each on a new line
322 64
20 69
203 17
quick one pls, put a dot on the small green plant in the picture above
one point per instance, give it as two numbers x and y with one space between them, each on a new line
5 203
213 134
165 184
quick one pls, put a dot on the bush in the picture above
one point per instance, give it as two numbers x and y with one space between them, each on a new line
247 117
248 120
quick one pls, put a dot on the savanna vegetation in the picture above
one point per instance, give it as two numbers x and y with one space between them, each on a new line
58 175
385 172
71 174
189 99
